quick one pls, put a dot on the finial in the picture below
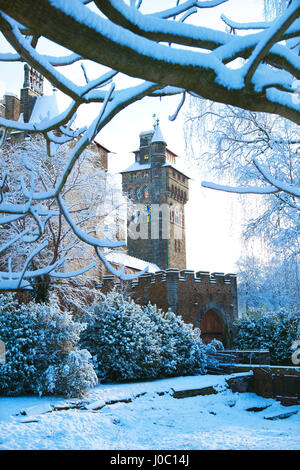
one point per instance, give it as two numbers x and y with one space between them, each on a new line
156 121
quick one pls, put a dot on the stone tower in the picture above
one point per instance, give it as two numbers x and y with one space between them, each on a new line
158 191
32 88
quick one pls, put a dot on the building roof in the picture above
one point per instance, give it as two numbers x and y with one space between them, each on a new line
8 93
172 153
123 259
157 136
151 131
136 166
45 108
102 147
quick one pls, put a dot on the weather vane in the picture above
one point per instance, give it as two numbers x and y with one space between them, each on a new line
156 121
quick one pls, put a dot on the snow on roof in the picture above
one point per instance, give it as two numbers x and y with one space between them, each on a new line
146 132
157 136
171 152
102 146
122 259
8 93
45 108
136 166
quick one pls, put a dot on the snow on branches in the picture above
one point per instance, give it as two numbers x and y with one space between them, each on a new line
169 51
39 235
126 39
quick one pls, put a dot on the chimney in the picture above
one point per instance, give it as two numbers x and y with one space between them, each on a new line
12 106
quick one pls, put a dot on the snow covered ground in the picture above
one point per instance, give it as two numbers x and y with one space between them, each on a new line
152 419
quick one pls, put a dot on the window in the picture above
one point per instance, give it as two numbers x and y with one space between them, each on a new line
171 211
131 194
147 212
177 245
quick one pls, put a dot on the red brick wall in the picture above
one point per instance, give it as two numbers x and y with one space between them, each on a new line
186 293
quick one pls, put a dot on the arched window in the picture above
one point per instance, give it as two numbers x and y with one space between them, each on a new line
176 218
171 213
147 212
131 194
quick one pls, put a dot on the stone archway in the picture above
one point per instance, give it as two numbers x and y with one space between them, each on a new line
213 321
211 327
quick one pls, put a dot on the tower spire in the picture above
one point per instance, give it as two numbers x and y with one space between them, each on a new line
158 136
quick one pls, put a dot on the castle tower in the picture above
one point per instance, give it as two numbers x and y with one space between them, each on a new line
32 88
158 191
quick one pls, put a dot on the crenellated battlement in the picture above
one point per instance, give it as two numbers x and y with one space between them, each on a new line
192 295
203 277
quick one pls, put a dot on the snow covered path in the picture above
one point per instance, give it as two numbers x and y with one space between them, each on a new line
151 421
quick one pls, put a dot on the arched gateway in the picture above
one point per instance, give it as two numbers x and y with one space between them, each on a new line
213 321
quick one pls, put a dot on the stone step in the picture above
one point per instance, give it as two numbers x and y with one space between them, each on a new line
281 415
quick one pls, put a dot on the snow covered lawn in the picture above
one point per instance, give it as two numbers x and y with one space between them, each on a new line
150 418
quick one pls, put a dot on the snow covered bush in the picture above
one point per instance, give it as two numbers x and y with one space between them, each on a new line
129 342
181 349
42 353
267 329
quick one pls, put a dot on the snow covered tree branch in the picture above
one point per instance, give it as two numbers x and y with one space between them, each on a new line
122 37
41 239
252 153
242 139
169 51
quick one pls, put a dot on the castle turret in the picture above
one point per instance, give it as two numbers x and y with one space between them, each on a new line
158 148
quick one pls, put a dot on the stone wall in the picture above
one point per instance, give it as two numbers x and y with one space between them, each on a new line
28 98
12 106
273 381
188 294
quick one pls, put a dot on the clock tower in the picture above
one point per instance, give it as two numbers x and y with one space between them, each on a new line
158 191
